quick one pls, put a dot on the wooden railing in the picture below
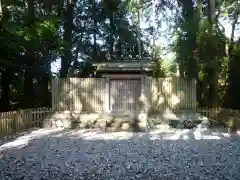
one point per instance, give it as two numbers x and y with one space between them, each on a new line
15 121
221 116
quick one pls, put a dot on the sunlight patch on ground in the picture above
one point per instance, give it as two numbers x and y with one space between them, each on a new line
199 134
177 134
90 135
159 131
104 136
23 141
78 154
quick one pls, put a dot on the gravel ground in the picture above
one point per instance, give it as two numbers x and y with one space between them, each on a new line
173 154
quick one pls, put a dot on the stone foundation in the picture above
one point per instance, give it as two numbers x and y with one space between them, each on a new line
106 122
123 122
181 119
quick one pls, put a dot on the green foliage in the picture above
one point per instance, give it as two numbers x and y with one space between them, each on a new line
201 51
36 33
159 72
100 31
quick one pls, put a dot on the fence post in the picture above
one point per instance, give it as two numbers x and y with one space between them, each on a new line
140 105
143 104
15 121
233 127
29 117
53 88
194 94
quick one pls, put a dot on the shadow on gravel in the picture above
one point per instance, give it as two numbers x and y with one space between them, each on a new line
91 154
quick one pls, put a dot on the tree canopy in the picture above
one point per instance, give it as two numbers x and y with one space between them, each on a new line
34 34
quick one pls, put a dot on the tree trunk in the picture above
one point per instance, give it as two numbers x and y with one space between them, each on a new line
6 77
67 38
111 35
231 68
188 64
200 87
1 11
138 31
28 98
213 89
181 68
94 27
45 95
214 70
45 81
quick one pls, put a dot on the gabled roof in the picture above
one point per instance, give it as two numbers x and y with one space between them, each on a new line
126 65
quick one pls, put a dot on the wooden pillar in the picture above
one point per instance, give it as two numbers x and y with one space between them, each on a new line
53 93
107 95
141 106
144 98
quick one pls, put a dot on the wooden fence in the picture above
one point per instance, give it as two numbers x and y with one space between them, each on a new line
223 117
79 94
170 93
94 94
15 121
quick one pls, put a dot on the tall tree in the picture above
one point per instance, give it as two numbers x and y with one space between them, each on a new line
213 70
232 11
1 11
187 38
67 37
29 58
94 17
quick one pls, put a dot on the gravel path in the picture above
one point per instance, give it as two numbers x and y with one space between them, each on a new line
75 155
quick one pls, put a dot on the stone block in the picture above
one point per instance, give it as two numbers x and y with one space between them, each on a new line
142 117
162 126
75 117
47 123
58 123
125 126
142 125
67 123
81 125
101 125
63 123
89 117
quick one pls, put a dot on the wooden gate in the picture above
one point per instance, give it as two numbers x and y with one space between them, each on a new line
124 95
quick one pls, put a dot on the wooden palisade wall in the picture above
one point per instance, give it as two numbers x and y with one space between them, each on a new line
92 94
